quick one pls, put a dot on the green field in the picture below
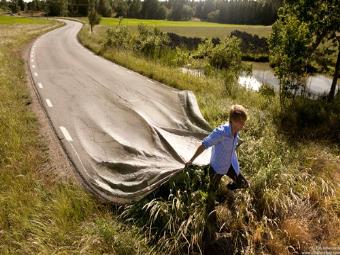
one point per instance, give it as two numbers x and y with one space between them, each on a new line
190 28
9 20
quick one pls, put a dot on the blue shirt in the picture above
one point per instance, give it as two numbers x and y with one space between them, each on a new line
223 154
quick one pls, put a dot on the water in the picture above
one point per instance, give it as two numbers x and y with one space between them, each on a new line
262 74
192 71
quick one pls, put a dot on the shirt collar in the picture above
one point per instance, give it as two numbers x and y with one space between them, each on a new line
228 130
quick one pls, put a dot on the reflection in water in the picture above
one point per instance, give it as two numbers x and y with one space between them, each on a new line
263 74
249 82
192 71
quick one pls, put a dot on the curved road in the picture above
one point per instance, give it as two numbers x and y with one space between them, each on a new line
125 134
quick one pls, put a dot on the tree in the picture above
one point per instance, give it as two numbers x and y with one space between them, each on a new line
336 74
209 6
21 4
289 54
162 12
3 4
94 18
135 8
63 7
120 7
52 8
315 22
34 7
104 8
13 6
149 9
180 11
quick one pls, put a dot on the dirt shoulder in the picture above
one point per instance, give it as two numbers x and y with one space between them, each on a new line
58 166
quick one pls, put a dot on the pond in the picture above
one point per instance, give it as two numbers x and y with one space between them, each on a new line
262 73
316 84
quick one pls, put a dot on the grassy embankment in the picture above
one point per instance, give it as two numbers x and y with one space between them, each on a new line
293 201
39 215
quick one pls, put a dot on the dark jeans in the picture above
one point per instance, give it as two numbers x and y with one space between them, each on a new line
211 227
239 180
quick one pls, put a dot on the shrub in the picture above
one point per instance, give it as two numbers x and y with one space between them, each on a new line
310 119
151 43
204 49
118 37
227 54
190 43
251 43
181 57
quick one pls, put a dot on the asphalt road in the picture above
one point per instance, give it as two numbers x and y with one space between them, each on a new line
125 134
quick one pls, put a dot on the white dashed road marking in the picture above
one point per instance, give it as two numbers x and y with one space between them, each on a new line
49 103
40 85
66 134
35 74
150 81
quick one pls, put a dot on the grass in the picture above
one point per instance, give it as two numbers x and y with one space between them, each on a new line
38 213
188 28
293 202
11 20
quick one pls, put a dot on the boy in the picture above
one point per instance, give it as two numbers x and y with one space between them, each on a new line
223 161
224 140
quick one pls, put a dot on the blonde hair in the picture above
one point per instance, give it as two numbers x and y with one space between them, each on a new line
238 112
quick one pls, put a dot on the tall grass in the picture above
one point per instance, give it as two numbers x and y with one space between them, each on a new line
39 215
10 20
292 203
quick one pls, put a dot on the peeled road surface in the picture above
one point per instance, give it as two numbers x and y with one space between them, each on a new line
125 133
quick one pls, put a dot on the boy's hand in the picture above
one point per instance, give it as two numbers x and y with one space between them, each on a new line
187 164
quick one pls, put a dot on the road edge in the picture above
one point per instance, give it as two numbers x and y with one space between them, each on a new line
58 166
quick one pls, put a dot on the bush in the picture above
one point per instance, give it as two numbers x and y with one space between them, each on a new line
181 57
251 43
118 37
227 54
204 49
151 43
190 43
311 119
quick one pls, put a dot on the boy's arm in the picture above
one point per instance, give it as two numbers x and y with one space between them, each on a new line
199 150
214 137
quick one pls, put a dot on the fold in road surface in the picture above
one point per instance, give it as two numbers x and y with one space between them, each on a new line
125 134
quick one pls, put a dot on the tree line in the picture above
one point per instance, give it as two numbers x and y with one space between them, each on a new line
233 12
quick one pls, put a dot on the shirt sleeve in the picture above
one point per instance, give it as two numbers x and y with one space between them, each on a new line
214 137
